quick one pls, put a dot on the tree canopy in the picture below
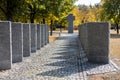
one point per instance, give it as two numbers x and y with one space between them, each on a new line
110 10
33 11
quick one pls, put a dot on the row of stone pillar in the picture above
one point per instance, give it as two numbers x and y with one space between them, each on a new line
18 40
95 37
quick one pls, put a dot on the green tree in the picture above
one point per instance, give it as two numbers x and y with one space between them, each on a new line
111 9
10 7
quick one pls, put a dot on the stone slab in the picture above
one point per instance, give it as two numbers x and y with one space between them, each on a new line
42 35
26 40
33 37
94 38
47 35
17 42
5 45
98 41
38 36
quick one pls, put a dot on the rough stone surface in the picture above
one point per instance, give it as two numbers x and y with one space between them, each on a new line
26 40
5 45
33 37
47 35
95 41
45 27
42 35
38 36
83 36
17 42
70 19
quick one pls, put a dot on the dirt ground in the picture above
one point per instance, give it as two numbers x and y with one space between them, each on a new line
115 56
54 37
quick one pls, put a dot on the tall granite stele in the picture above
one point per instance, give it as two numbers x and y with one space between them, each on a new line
70 19
38 36
42 35
17 42
5 45
26 40
33 37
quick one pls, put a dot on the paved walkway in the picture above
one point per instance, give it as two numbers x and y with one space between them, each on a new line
63 59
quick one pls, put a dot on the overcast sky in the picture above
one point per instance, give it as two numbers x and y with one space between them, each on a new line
87 2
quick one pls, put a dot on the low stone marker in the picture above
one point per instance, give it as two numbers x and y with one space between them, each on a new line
5 45
95 37
38 36
33 37
26 40
17 42
70 19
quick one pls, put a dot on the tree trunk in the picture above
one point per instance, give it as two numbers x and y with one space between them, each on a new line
43 20
9 10
117 27
51 27
31 18
9 16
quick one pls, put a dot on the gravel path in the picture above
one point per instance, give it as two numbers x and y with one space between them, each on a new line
63 59
56 61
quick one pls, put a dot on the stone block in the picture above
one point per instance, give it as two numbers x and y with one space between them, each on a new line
33 37
5 45
38 36
26 40
42 35
47 35
17 42
98 41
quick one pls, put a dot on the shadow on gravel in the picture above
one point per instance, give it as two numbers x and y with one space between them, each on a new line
67 59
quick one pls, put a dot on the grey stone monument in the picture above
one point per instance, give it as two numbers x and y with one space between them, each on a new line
42 35
95 41
33 37
17 42
26 40
70 19
38 36
46 37
5 45
47 34
98 41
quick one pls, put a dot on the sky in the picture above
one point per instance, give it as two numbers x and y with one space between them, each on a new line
87 2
